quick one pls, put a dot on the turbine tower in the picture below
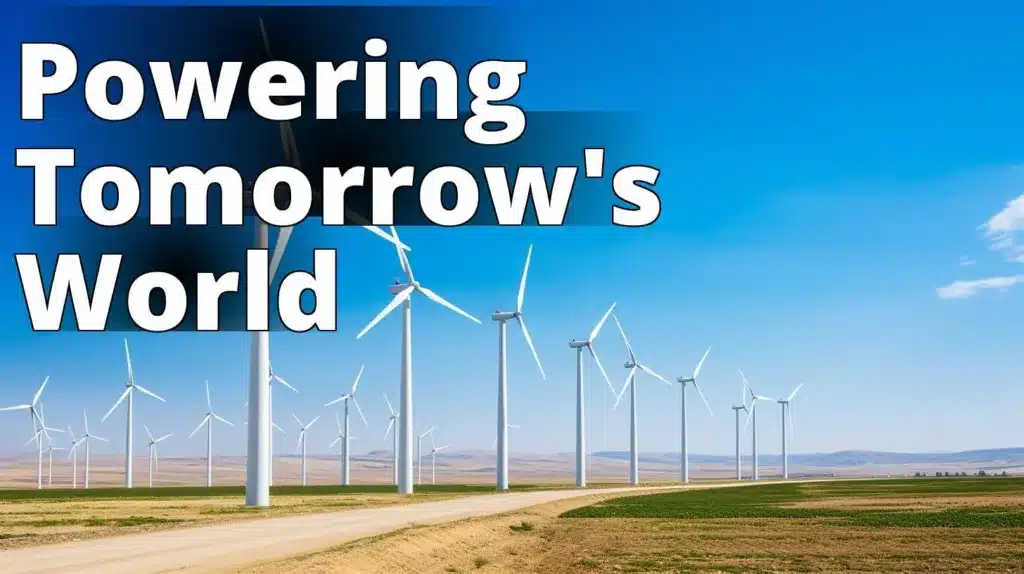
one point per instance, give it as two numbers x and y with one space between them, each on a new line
632 364
434 449
41 428
394 448
736 409
129 393
588 344
752 418
154 459
301 446
684 455
419 455
787 409
403 293
259 449
49 455
87 438
502 318
273 426
270 407
344 433
342 436
208 421
73 456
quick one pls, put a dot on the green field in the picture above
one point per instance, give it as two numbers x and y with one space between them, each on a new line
777 500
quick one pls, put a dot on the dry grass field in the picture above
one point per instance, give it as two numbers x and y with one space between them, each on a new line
913 525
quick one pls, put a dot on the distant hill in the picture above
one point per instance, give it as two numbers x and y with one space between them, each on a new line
846 458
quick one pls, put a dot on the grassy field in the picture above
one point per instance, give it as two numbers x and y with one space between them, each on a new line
963 524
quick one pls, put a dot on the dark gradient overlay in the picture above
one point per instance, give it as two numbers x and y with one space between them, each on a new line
303 36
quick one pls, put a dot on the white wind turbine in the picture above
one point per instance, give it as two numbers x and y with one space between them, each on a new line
403 293
342 436
154 459
33 413
270 407
259 449
208 421
752 418
129 393
632 364
502 318
581 451
73 456
787 409
394 451
301 446
736 409
86 438
434 449
685 453
49 446
351 395
419 455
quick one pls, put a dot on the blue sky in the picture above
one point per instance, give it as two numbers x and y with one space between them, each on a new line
826 167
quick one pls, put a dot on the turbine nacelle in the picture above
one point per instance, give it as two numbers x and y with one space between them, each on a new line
506 315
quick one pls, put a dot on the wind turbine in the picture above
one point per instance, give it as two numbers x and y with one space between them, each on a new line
49 454
581 451
787 407
342 436
86 438
419 455
208 421
270 407
344 433
129 393
259 449
73 456
154 459
752 417
403 293
36 430
632 364
301 446
736 409
394 452
502 318
685 453
434 449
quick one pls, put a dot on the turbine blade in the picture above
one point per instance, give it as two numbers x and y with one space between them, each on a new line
792 431
282 242
34 438
123 395
701 393
298 445
209 405
402 259
284 382
399 298
360 411
622 393
85 415
99 438
387 432
700 364
150 393
17 408
441 301
522 281
513 426
597 328
390 408
625 339
334 443
39 393
795 391
647 370
316 418
750 413
337 400
205 418
128 360
600 367
223 420
529 343
281 430
389 238
149 434
166 436
358 376
296 417
338 421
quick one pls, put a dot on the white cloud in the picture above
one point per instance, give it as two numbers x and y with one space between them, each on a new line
1005 230
965 289
966 261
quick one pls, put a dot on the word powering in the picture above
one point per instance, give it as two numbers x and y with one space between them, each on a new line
51 69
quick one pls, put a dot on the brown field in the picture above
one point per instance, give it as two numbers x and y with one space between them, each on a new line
537 540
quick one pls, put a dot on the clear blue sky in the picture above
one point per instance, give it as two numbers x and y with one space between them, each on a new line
826 167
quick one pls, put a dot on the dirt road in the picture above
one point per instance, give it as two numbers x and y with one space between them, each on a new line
227 546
